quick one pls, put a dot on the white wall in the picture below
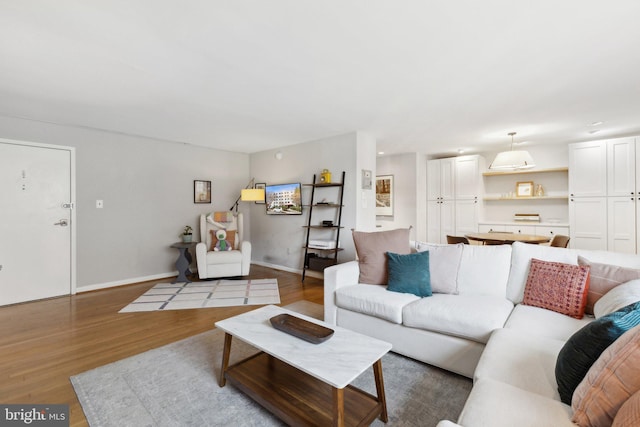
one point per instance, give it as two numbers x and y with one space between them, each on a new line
279 240
409 193
147 188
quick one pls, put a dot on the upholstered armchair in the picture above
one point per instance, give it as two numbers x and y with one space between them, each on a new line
213 264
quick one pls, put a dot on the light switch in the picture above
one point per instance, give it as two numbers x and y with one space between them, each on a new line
99 204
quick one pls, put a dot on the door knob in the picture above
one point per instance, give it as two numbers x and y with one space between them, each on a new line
62 223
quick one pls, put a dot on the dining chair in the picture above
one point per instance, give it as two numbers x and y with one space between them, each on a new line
457 239
559 241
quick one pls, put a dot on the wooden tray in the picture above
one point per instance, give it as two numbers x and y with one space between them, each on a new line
301 328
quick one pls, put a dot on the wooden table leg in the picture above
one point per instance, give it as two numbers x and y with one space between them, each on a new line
225 358
338 407
377 372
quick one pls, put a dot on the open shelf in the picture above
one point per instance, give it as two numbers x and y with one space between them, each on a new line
528 171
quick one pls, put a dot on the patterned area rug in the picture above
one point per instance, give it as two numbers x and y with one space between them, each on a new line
219 293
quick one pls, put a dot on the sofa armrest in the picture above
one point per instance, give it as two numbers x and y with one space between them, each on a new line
335 277
447 423
201 259
245 249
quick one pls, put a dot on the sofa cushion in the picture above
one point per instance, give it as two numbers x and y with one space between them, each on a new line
629 413
497 404
484 270
585 347
372 251
558 287
529 320
468 316
612 379
605 277
520 259
374 301
444 263
409 273
618 297
524 361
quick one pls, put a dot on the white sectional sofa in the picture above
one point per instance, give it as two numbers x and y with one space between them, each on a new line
479 330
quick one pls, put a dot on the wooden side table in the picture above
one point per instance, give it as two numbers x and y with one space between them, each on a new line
184 260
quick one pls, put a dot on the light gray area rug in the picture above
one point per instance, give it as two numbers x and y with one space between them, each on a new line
177 385
217 293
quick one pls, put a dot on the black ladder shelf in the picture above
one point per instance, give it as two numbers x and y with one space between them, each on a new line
312 260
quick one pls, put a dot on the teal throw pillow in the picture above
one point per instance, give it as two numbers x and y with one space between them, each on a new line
409 274
586 345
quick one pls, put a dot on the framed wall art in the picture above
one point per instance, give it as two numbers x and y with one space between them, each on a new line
201 191
524 189
384 195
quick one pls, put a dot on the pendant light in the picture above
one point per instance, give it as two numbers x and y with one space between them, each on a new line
512 160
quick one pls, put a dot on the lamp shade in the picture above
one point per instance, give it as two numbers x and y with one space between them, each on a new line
510 160
252 194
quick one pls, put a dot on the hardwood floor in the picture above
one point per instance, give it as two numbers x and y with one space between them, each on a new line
43 343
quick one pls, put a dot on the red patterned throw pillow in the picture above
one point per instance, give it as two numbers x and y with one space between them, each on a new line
558 287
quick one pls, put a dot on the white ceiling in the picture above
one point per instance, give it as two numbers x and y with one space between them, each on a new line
249 75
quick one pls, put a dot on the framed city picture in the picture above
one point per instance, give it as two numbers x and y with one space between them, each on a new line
384 195
201 191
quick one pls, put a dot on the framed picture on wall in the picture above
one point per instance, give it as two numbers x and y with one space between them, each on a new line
384 195
262 186
201 191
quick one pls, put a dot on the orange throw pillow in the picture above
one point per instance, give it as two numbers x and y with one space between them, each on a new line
558 287
610 382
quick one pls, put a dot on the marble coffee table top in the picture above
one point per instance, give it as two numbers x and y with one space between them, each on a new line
336 361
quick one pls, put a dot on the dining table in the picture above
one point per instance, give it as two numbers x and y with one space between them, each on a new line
507 238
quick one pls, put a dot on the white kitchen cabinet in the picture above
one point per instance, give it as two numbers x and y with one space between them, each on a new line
468 182
440 220
610 220
521 229
546 230
448 211
621 167
466 216
588 169
621 224
441 179
588 222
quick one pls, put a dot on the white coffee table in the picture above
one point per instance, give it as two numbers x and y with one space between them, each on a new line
304 383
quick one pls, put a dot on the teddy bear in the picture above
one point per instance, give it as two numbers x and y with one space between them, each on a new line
222 244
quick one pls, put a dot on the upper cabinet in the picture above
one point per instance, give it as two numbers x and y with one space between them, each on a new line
468 183
441 179
588 169
621 167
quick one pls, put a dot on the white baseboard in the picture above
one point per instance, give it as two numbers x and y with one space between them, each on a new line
106 285
98 286
310 273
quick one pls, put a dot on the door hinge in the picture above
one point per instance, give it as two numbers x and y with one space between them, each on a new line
68 205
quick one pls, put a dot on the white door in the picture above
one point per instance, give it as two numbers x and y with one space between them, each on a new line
466 217
621 167
621 231
447 219
433 221
36 246
588 169
588 223
467 177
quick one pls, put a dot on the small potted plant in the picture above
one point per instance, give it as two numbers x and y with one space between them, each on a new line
187 234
